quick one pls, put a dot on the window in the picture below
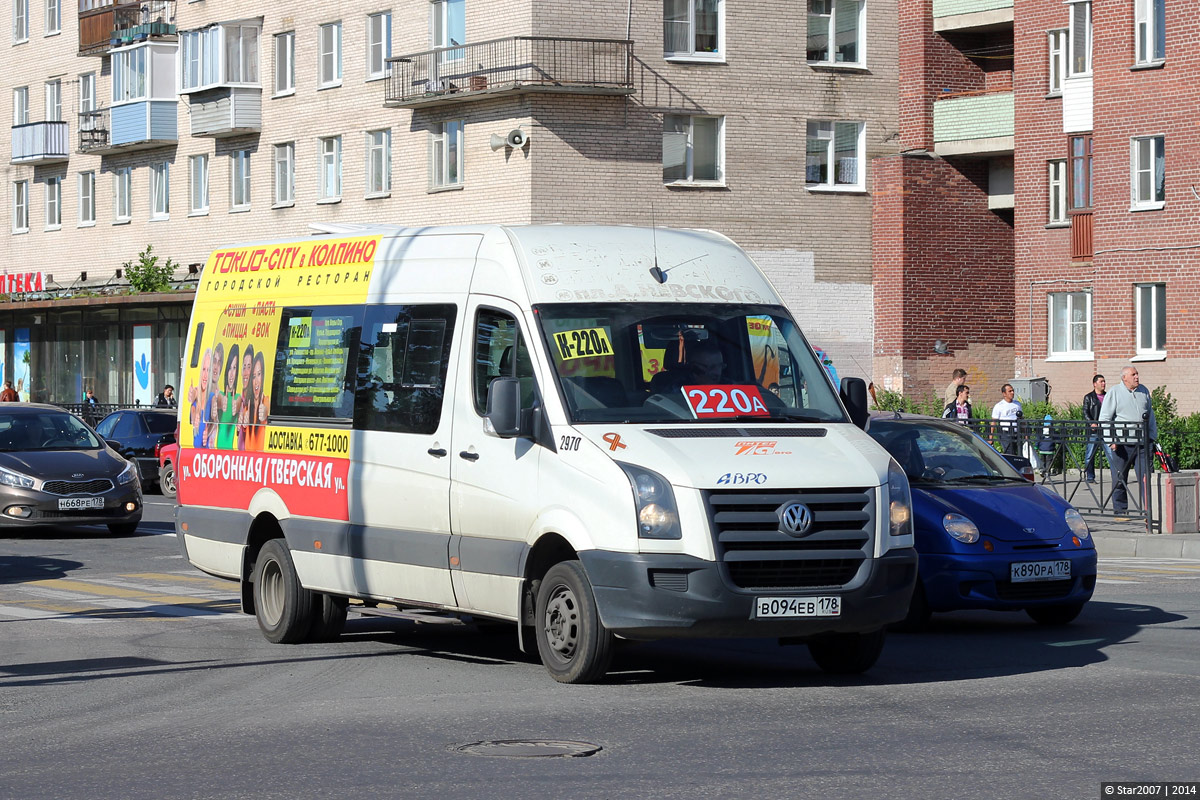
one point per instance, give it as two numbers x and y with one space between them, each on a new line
219 55
834 155
1080 38
500 352
199 59
20 21
239 179
1151 30
379 45
835 31
160 190
402 363
1146 168
285 63
87 101
1057 43
21 106
198 191
1058 192
53 17
122 194
448 24
20 206
315 373
445 155
53 204
1151 304
53 101
87 198
379 162
329 182
241 54
693 28
329 57
692 149
285 174
129 75
1070 323
1081 173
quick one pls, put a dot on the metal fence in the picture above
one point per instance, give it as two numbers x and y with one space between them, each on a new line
92 413
1058 450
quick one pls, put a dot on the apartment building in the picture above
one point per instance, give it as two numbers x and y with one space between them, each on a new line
1039 220
189 123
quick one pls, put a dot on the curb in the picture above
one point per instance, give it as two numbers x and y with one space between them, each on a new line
1144 545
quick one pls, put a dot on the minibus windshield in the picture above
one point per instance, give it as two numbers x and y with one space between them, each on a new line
671 362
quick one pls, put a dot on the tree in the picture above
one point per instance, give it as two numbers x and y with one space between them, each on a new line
147 274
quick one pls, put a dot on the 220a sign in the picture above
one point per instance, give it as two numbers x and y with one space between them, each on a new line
714 402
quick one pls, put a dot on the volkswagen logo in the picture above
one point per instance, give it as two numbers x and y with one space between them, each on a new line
796 519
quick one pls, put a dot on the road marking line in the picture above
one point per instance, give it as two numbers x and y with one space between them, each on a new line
1116 580
19 612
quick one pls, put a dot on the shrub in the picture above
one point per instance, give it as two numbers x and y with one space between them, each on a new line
147 274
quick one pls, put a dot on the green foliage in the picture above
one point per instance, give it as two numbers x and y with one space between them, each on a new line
894 401
147 274
1178 436
886 400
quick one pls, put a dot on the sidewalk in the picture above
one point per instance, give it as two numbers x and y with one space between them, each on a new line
1124 539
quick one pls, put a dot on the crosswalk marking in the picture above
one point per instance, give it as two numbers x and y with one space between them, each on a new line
114 597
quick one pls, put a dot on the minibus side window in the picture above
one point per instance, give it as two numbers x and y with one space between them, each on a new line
314 374
500 351
402 365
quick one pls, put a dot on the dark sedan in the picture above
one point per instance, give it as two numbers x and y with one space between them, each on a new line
136 433
54 471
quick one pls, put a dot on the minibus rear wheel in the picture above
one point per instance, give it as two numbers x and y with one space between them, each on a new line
573 643
283 607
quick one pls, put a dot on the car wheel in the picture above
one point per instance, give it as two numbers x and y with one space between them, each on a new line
329 617
283 607
166 479
1055 615
573 643
846 653
124 528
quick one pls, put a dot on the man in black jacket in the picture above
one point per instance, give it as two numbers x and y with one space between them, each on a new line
1091 412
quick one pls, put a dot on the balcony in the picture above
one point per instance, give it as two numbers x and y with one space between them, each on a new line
226 111
971 15
976 124
40 143
517 65
142 125
104 24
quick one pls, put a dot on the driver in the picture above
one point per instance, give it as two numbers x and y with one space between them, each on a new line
903 448
704 364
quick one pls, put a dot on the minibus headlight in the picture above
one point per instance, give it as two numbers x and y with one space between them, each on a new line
657 515
899 502
10 477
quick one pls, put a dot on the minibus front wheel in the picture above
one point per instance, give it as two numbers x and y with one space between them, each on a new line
283 607
573 643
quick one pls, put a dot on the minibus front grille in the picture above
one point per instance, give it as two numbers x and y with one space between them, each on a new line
756 553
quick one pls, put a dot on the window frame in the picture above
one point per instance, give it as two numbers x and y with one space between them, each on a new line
1149 32
334 81
440 150
1057 42
1069 353
130 75
1084 161
52 100
1158 317
830 33
203 57
20 27
239 180
198 161
689 178
1056 191
831 185
327 158
86 184
21 108
1083 69
160 190
53 204
383 45
53 18
288 41
288 149
1157 177
691 53
383 150
20 207
122 195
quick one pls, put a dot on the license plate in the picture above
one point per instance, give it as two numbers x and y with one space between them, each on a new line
776 607
73 503
1024 571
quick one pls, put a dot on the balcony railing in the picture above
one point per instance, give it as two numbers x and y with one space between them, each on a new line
974 123
93 130
40 143
1082 247
510 66
104 24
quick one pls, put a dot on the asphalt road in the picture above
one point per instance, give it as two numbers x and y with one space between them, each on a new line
124 673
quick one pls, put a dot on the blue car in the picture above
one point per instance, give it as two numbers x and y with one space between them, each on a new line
986 536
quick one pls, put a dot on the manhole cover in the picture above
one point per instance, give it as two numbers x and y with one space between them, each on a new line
529 748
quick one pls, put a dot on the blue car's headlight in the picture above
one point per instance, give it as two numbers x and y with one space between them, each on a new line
128 474
1075 522
961 528
657 515
10 477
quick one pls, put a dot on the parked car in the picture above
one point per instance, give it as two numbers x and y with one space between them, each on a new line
986 537
135 433
168 454
55 471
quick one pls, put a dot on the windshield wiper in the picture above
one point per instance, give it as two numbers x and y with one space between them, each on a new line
979 479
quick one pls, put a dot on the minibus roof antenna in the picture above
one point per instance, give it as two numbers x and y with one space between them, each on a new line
659 275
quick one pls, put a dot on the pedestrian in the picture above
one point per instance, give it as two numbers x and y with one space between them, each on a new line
960 409
957 379
1091 412
1008 411
9 395
166 398
90 398
1129 402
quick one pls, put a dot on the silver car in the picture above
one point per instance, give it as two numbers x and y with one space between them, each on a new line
55 472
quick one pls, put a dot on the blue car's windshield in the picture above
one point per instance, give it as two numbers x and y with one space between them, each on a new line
939 452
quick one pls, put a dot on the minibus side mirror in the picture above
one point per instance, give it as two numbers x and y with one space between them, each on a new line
854 395
504 407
